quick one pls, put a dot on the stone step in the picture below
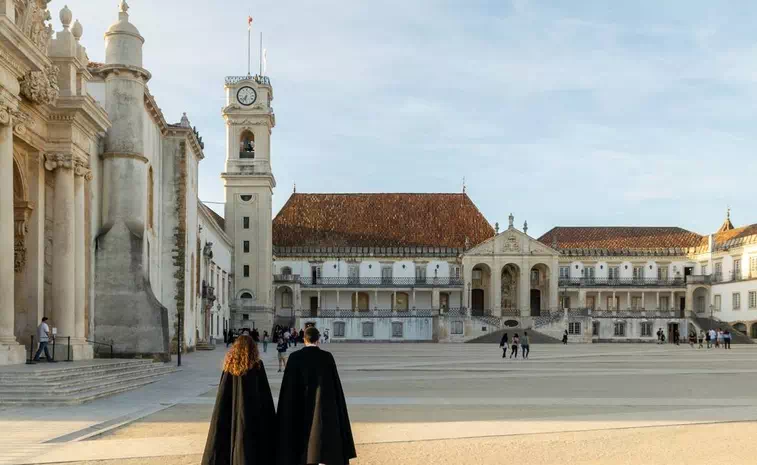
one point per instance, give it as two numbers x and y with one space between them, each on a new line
82 398
42 370
74 383
54 374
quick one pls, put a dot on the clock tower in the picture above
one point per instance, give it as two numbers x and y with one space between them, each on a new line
249 183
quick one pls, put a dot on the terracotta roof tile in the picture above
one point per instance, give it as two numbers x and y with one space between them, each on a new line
218 218
618 238
379 220
736 236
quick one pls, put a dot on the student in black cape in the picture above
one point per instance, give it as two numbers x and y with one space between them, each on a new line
241 431
313 424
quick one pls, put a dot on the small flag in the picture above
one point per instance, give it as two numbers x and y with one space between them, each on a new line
265 60
249 23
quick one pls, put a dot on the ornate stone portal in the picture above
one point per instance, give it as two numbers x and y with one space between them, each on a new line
41 87
31 16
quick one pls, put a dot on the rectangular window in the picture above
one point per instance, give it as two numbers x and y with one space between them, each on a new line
246 246
420 273
664 303
564 302
737 268
574 327
397 329
246 222
386 274
737 301
636 303
613 272
564 272
454 271
620 329
315 274
589 273
717 302
595 328
638 272
662 273
245 316
339 329
246 271
719 271
752 299
367 329
457 327
354 274
646 329
613 304
753 267
704 270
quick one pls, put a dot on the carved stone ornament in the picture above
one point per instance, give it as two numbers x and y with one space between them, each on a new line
8 113
58 160
81 168
41 86
31 16
21 213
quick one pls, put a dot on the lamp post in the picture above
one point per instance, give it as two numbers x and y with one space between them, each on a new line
712 308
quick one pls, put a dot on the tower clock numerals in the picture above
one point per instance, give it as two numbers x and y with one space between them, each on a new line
247 95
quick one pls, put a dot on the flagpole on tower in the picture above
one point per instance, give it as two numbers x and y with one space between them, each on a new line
249 44
261 53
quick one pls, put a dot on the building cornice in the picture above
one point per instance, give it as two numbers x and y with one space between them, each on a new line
368 253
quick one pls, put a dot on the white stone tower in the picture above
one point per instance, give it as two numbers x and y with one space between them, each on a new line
249 184
128 312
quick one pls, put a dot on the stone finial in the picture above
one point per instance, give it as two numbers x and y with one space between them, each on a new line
184 121
464 186
294 188
511 220
728 213
525 227
496 228
77 30
123 7
65 17
554 241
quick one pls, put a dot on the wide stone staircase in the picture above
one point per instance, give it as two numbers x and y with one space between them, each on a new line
737 337
76 382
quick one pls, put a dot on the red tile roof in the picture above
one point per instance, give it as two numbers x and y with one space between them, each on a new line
215 216
737 236
379 220
619 238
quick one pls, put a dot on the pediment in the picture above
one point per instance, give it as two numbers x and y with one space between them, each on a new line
511 242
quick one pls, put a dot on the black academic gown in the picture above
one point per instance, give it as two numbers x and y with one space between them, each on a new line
242 429
312 418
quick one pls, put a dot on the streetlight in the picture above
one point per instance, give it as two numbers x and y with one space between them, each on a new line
712 307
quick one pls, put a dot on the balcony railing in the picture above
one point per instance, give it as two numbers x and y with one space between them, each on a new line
622 282
287 278
380 282
370 313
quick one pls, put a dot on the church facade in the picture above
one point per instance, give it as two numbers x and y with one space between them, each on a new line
100 224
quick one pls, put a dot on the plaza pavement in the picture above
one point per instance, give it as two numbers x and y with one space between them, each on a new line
443 403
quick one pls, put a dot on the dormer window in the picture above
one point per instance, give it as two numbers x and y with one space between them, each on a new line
247 145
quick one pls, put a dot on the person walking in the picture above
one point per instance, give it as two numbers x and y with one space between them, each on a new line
43 336
727 339
294 336
708 337
525 346
240 428
676 337
718 338
701 339
565 337
503 344
514 347
287 337
266 338
281 348
692 339
313 423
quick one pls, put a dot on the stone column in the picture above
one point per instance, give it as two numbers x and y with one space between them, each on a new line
599 300
7 234
64 247
83 175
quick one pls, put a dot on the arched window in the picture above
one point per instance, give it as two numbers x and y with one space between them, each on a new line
247 145
245 295
150 198
286 298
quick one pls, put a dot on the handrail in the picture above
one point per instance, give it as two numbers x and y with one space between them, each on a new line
102 344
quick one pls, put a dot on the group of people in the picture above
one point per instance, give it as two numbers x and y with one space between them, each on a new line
310 426
522 342
713 338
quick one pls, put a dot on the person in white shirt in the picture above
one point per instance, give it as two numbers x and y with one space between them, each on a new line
43 335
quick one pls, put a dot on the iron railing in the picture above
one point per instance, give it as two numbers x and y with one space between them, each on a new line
374 281
623 314
231 80
623 282
372 313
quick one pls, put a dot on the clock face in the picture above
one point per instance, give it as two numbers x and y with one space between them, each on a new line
247 95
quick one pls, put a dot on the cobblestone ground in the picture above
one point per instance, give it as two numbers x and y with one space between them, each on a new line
424 403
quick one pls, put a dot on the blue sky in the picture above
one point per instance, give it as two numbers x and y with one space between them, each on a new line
563 113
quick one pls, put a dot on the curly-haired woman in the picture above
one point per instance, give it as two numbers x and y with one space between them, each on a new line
241 428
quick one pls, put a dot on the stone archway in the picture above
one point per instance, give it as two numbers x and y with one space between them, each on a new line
701 298
22 208
510 288
480 293
539 286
